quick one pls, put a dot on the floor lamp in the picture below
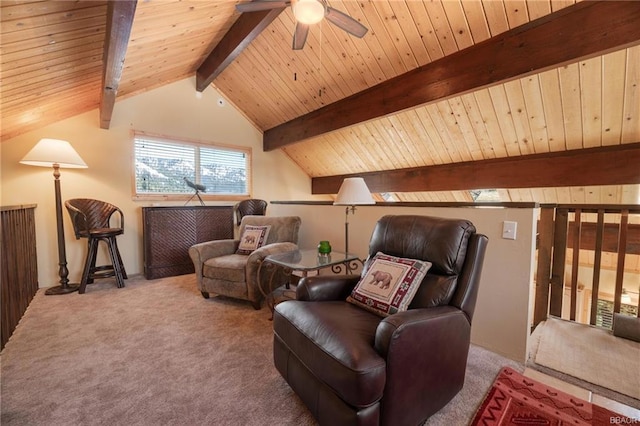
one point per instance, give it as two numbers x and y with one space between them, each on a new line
353 191
57 154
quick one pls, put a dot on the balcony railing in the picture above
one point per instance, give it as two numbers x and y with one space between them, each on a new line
578 245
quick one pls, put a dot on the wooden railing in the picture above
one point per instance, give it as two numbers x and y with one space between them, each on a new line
569 234
19 281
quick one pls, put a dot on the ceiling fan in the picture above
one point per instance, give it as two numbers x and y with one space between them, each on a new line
306 13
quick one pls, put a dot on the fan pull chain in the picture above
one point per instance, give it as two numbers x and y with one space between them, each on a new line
320 57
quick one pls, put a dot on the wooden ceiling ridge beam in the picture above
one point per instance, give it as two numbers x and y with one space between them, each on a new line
246 28
119 22
610 165
577 32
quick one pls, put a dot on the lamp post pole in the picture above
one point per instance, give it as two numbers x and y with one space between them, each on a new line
346 227
58 154
63 271
352 191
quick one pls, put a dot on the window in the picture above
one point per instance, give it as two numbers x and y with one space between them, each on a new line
162 165
485 195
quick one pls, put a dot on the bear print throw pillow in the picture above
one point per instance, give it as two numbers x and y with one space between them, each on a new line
389 284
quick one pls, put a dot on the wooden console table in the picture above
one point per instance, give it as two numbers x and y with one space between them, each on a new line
168 232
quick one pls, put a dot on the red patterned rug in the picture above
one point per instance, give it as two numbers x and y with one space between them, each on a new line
517 400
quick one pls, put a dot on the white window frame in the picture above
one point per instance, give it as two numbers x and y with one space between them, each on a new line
144 196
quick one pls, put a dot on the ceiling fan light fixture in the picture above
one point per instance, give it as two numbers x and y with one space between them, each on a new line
308 12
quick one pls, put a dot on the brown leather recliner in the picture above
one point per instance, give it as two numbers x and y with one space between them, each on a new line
353 367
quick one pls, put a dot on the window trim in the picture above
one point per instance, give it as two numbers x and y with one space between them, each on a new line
192 142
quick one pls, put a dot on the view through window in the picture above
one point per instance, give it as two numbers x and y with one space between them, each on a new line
162 165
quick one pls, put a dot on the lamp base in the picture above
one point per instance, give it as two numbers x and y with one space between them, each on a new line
69 288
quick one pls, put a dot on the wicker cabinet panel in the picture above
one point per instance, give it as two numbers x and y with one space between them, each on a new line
168 232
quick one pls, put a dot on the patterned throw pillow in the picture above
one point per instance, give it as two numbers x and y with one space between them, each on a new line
253 237
389 284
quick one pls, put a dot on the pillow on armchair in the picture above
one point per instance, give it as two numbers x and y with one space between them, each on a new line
252 238
389 284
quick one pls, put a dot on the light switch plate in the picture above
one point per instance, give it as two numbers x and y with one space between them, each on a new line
509 230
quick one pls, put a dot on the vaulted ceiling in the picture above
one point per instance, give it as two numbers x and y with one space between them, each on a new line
537 99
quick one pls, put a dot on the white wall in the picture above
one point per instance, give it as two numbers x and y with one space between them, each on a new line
171 110
503 315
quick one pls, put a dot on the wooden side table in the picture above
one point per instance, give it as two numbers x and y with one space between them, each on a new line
303 261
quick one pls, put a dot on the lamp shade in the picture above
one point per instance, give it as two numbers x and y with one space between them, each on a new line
353 191
48 152
308 12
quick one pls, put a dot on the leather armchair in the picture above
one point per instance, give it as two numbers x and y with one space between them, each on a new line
220 270
353 367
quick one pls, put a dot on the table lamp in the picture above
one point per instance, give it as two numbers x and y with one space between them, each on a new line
57 154
353 191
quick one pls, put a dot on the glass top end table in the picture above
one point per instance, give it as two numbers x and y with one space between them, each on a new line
303 261
311 260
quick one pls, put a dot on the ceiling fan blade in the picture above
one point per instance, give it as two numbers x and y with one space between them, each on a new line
300 36
256 6
346 22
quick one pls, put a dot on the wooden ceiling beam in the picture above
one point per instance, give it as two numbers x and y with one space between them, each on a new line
611 165
246 28
583 30
119 22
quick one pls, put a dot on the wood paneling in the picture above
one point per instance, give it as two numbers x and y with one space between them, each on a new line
240 35
513 53
170 39
49 51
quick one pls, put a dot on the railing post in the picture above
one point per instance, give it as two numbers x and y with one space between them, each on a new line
543 274
575 264
597 262
622 252
558 265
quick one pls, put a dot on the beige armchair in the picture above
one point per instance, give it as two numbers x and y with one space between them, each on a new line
222 271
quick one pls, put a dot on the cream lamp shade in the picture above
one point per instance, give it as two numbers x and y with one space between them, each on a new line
354 191
308 12
48 152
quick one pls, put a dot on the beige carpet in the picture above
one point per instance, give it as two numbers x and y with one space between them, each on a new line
157 353
591 354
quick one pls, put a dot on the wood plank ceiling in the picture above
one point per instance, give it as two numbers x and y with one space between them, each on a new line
52 68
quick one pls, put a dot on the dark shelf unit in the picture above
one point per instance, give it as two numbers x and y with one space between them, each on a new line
168 232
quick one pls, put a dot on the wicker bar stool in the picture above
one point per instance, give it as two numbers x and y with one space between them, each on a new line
91 220
252 206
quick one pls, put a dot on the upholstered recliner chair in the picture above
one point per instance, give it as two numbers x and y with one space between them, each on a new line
352 366
230 267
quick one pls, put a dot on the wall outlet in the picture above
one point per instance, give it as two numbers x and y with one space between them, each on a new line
509 230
